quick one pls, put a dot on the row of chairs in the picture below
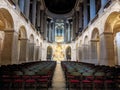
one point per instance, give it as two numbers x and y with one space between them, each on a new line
34 74
84 76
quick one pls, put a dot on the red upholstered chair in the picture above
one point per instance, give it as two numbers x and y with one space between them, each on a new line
87 81
30 83
43 82
25 77
117 81
68 78
6 81
74 83
109 84
98 82
109 80
18 83
35 77
74 80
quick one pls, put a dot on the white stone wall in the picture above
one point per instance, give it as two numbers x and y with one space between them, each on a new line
18 20
99 23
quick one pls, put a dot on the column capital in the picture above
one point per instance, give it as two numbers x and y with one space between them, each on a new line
23 39
10 31
106 33
94 40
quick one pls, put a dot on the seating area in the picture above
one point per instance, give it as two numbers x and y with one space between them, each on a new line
84 76
27 75
78 76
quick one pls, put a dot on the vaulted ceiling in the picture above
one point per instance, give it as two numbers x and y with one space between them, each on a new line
60 6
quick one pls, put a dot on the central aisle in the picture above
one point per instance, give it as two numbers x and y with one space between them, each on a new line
58 82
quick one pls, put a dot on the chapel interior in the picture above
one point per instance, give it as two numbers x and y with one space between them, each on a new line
59 44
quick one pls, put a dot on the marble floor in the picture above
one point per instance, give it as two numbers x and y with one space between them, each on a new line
58 82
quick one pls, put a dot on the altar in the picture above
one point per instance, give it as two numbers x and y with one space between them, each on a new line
58 54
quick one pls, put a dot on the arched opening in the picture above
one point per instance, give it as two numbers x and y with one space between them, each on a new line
40 51
95 47
117 48
37 50
6 24
6 20
112 26
77 52
80 50
49 53
85 52
31 48
116 35
68 53
22 44
1 43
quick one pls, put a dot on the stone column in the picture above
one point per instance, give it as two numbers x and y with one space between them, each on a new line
71 28
103 2
107 49
80 54
21 5
23 57
92 9
48 34
117 48
39 53
36 53
34 3
45 25
9 54
42 21
80 18
53 31
77 21
38 14
66 36
64 31
69 33
50 31
27 8
85 53
93 52
74 28
85 13
31 52
77 57
0 48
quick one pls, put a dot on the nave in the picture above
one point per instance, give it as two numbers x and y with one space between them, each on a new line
82 35
67 75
